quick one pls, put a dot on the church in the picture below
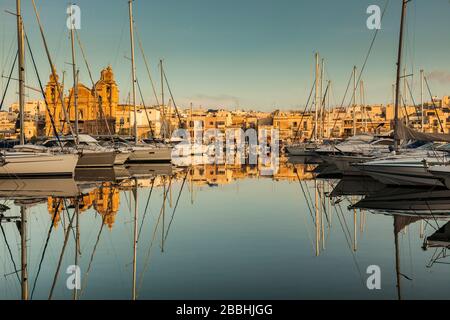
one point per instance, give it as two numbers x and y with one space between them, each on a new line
96 106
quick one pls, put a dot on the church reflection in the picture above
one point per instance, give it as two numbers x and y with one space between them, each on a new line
334 208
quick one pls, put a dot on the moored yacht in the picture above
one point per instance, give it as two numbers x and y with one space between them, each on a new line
36 164
140 152
357 145
405 170
91 153
31 164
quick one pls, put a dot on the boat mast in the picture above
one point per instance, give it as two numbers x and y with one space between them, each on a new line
53 70
74 73
322 102
421 100
24 254
397 260
363 104
162 99
20 43
135 238
23 209
354 100
317 98
133 69
397 82
77 239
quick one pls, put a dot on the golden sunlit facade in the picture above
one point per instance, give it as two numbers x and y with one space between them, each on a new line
96 106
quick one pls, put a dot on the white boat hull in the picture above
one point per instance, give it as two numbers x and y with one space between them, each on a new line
300 151
101 159
344 163
442 173
22 164
149 154
406 175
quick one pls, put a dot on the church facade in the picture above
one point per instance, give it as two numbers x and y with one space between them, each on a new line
96 106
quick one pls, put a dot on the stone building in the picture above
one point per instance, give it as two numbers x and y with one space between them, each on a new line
96 106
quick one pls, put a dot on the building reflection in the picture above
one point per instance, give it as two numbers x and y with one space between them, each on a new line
105 198
331 208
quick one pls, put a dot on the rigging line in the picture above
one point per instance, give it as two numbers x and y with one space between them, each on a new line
304 111
52 120
432 215
97 97
366 58
147 258
434 104
119 43
412 97
45 248
309 199
304 195
127 201
7 56
8 81
10 252
146 207
342 103
145 108
322 113
309 209
345 221
405 110
322 202
348 242
146 65
171 95
66 238
176 204
53 70
92 256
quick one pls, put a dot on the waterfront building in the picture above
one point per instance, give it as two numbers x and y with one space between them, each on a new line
96 106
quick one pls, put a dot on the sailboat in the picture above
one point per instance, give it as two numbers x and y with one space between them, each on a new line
410 168
142 152
30 164
308 148
90 152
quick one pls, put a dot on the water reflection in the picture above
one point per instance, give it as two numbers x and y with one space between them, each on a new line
406 206
202 231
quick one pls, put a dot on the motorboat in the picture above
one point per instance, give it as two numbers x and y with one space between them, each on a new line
407 201
357 145
404 170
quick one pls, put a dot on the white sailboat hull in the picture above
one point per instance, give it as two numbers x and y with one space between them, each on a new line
300 151
101 159
150 154
344 163
402 175
22 164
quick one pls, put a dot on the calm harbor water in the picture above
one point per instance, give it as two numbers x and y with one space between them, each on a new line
223 232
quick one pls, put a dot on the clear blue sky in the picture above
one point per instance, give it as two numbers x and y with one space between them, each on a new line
254 54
